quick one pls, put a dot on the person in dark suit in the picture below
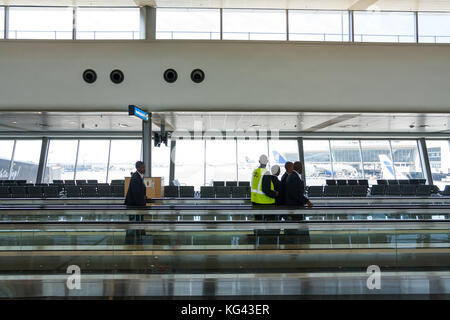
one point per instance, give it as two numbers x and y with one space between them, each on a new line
136 191
295 188
289 166
136 198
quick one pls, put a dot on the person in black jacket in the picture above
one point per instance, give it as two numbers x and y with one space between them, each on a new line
295 188
289 166
136 198
269 178
136 191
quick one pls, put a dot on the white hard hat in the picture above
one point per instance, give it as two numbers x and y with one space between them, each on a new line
275 169
263 159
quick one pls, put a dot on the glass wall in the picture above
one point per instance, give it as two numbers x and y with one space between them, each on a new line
377 159
2 22
92 160
346 157
161 162
186 23
123 157
376 26
315 25
434 27
281 151
407 161
220 161
317 161
439 157
40 23
248 152
247 24
108 23
6 149
61 160
26 160
189 163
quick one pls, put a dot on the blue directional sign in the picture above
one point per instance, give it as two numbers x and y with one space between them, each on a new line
135 111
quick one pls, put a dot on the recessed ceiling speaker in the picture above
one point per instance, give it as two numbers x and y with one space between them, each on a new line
89 76
116 76
197 75
170 75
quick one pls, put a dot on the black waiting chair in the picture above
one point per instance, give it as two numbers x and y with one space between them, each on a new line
382 182
378 190
315 191
80 182
408 189
363 182
73 191
352 182
446 191
231 183
239 192
89 191
222 192
422 181
405 181
118 190
34 192
393 182
117 182
341 182
92 182
424 190
18 191
58 182
330 191
51 192
206 192
69 182
244 183
359 191
21 182
330 182
345 191
187 192
4 192
104 191
393 190
218 183
171 192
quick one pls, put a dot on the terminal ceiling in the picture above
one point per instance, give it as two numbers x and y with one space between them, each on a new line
288 122
393 5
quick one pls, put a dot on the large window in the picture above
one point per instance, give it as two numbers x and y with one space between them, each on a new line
186 23
249 152
384 26
6 148
108 23
377 158
92 160
26 160
161 162
317 161
439 157
61 160
314 25
407 161
189 163
281 151
40 23
246 24
434 27
220 160
346 156
123 156
2 22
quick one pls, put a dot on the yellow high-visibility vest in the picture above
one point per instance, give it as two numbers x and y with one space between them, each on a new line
257 195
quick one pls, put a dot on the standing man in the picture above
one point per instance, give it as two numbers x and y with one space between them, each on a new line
258 196
136 191
289 166
295 188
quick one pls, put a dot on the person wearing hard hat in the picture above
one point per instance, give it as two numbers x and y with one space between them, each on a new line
260 195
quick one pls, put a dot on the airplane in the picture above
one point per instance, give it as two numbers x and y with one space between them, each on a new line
388 170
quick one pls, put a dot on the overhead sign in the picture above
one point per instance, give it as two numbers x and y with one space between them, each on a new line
135 111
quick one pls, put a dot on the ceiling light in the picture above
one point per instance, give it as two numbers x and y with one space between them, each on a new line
123 125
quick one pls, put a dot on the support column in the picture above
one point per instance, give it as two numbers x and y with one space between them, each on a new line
74 23
173 144
301 158
6 25
11 163
148 23
351 27
42 160
147 145
425 160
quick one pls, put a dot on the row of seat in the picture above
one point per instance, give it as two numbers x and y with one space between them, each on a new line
207 192
375 190
55 191
364 182
12 182
231 183
84 182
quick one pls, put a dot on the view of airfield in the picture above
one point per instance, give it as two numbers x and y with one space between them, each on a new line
200 162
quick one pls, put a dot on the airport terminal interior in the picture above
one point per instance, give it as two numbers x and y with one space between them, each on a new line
357 91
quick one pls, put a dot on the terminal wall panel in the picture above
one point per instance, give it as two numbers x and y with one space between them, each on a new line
244 76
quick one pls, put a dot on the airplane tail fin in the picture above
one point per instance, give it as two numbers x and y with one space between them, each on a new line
278 157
